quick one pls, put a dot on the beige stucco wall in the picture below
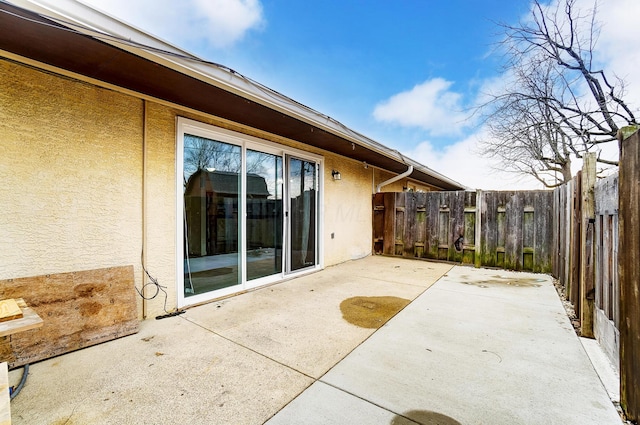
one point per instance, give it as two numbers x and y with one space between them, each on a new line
70 170
81 163
347 210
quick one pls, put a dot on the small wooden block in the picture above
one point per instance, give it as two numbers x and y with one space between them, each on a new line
9 310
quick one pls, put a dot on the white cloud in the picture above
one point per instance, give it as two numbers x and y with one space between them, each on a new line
463 163
429 105
618 44
226 21
220 23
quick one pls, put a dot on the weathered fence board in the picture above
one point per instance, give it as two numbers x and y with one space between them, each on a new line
575 248
607 313
497 229
563 200
629 275
587 253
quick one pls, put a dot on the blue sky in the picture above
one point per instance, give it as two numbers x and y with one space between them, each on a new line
404 73
344 58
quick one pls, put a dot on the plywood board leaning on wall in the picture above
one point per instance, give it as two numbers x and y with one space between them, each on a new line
79 309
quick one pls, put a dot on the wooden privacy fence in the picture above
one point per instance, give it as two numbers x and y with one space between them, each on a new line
586 233
510 229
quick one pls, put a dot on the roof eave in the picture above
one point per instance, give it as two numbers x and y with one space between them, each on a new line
272 111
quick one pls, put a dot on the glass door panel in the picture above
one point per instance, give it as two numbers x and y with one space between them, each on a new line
211 228
302 213
264 214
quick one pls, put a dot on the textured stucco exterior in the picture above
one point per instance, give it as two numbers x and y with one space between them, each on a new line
89 178
71 175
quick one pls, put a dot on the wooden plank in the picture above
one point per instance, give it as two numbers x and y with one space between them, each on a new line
400 222
555 261
432 206
606 282
469 220
389 243
420 237
575 243
456 226
587 287
9 310
543 231
615 228
469 246
79 309
565 236
444 223
478 228
600 271
378 222
629 275
513 225
5 402
528 231
489 229
410 225
29 320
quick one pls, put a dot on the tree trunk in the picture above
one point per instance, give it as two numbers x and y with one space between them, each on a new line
566 171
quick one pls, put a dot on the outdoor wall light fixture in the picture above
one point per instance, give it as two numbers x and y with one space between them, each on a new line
336 175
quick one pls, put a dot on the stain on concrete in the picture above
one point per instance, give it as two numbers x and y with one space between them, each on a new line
371 312
505 281
424 417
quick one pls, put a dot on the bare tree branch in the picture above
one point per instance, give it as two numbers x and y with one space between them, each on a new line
556 107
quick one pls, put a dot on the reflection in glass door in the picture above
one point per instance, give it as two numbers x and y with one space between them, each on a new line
302 213
211 175
264 214
248 212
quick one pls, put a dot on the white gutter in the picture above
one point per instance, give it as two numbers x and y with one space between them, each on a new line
396 178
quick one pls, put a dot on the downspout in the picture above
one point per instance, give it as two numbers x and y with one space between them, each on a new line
396 178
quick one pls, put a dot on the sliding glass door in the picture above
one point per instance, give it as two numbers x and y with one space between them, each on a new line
248 211
264 214
302 212
211 184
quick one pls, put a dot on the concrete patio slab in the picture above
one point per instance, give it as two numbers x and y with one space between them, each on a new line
479 347
236 361
170 372
299 323
323 404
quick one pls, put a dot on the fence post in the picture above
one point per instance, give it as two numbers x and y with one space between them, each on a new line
587 266
629 273
478 230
